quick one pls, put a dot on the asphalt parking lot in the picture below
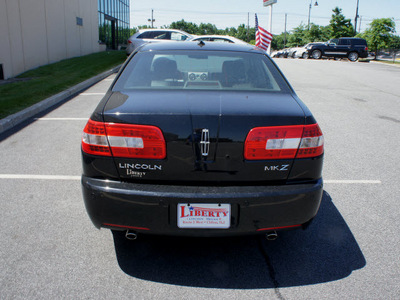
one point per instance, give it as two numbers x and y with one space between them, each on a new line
51 250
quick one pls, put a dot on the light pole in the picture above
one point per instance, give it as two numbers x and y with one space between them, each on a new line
152 19
309 13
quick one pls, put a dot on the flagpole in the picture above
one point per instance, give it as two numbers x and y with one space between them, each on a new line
270 27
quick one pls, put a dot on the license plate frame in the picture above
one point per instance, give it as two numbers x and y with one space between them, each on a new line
204 215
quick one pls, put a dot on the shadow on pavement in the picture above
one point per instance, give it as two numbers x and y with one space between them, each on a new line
326 251
20 126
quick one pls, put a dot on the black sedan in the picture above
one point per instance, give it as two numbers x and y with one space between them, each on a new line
201 139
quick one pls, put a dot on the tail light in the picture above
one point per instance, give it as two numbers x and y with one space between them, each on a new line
284 142
94 139
123 140
129 42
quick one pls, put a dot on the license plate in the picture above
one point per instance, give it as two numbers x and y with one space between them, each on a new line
200 215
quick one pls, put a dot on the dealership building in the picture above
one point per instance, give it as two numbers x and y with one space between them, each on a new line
39 32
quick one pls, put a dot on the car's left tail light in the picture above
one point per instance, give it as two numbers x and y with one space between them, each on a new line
123 140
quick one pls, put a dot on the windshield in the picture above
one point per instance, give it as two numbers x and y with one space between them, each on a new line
215 70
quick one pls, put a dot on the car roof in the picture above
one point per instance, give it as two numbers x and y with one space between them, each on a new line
214 36
140 31
194 45
162 29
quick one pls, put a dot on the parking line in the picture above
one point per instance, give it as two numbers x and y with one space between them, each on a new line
40 177
353 181
66 177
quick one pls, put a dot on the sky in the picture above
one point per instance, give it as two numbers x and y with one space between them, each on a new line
232 13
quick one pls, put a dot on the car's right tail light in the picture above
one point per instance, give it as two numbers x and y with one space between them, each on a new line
284 142
123 140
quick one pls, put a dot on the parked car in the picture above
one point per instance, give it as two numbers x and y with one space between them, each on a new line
201 139
155 35
218 38
292 51
302 52
352 48
282 53
285 52
275 53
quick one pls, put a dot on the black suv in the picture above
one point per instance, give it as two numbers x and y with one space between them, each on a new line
352 48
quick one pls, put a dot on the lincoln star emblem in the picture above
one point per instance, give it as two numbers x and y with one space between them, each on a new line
205 142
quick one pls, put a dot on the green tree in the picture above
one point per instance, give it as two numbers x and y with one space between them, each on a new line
278 41
380 34
144 27
242 32
230 31
207 29
317 33
252 35
395 42
298 36
339 26
188 27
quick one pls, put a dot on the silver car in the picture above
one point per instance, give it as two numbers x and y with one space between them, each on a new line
155 35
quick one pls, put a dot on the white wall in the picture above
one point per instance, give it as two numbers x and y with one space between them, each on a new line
39 32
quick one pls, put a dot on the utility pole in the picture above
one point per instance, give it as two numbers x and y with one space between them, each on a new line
152 19
355 20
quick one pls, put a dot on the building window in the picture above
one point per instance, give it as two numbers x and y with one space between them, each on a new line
79 21
113 22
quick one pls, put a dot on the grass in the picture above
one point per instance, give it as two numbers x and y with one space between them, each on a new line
389 62
45 81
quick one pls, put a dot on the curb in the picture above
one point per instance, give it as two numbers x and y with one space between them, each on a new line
15 119
385 64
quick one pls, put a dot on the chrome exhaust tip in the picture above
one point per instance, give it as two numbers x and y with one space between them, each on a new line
131 235
271 236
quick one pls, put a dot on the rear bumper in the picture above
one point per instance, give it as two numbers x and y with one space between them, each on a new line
363 54
152 209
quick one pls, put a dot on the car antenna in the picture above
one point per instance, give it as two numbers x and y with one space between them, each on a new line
201 44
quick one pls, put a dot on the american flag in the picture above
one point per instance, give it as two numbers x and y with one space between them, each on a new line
263 37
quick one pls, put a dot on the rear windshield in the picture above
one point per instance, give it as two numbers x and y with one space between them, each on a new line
210 70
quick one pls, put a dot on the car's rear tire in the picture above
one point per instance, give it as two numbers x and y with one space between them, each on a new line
353 56
316 54
304 55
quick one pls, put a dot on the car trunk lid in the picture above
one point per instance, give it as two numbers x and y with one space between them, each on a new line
205 132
